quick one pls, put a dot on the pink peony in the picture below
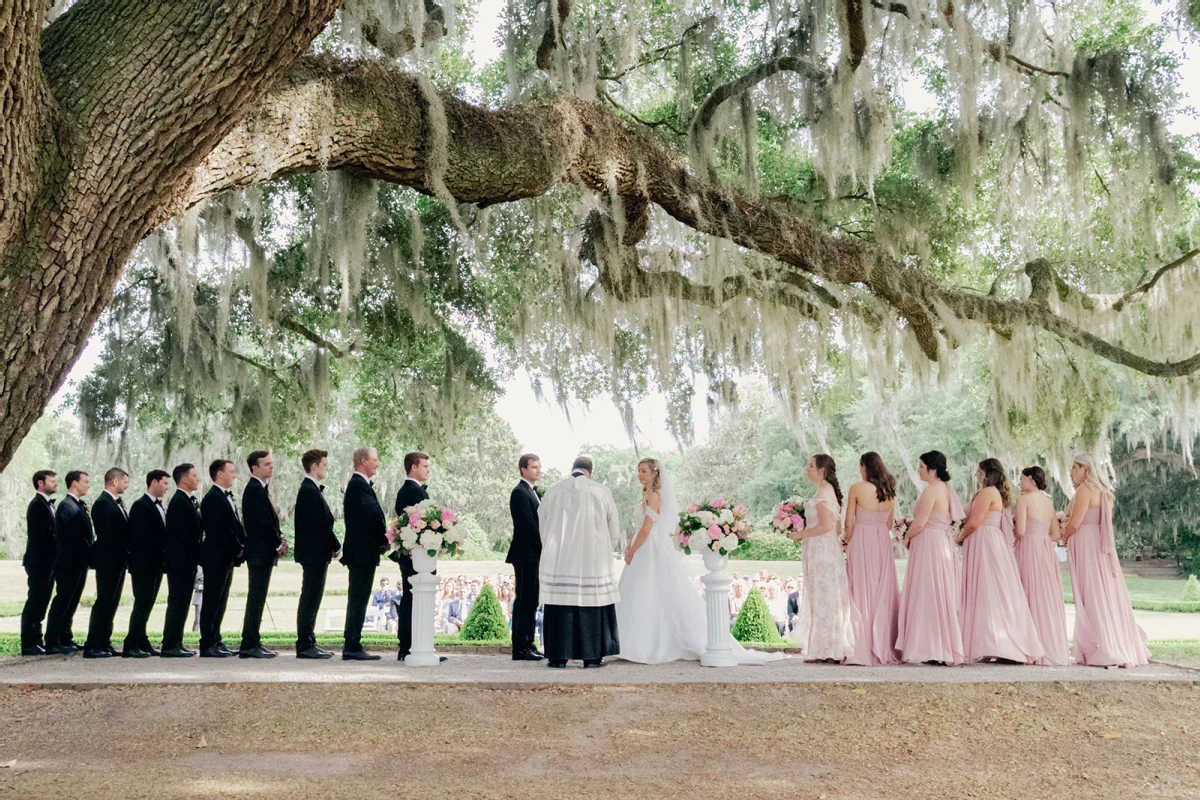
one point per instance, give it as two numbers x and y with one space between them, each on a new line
416 523
693 508
448 515
714 532
740 510
797 522
391 535
719 503
435 524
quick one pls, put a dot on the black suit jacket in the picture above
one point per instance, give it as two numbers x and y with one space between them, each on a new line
111 550
793 604
147 536
184 532
315 542
73 536
224 536
410 494
39 522
526 544
263 536
366 527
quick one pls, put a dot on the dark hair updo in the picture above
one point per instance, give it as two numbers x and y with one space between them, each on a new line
935 461
828 469
1037 475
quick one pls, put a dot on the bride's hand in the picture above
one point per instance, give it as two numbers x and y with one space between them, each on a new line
628 556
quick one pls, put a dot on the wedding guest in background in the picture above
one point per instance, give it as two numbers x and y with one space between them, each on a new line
181 559
524 554
73 538
147 543
223 548
870 563
364 542
383 596
316 546
1036 530
1106 633
197 599
793 604
995 617
109 559
265 545
38 561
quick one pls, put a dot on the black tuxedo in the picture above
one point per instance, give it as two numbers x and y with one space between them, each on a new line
410 494
366 538
315 546
181 557
524 554
793 608
263 540
73 539
147 549
109 558
222 549
39 568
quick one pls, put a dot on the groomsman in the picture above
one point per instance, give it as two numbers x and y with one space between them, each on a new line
524 554
222 549
316 546
264 545
147 542
416 470
110 558
366 539
182 556
73 539
38 561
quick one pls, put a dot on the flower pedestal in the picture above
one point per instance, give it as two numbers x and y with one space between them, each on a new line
719 652
424 584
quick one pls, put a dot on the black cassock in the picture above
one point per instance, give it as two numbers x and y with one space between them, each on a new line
580 632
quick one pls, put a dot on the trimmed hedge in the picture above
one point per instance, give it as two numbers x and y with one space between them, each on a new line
1191 590
486 619
754 622
768 545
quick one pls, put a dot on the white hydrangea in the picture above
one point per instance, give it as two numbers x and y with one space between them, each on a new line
729 542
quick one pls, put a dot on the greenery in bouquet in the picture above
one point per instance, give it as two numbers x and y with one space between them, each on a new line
426 526
714 525
789 516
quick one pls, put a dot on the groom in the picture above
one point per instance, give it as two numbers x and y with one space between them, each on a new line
579 529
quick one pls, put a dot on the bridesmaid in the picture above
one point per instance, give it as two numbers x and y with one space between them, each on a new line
870 563
824 626
996 623
1106 633
927 628
1036 529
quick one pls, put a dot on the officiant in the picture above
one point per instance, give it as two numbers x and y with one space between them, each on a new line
577 572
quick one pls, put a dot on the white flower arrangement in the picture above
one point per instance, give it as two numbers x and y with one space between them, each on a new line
426 526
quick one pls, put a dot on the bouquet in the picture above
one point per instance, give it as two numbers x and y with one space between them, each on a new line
715 526
789 516
426 526
900 528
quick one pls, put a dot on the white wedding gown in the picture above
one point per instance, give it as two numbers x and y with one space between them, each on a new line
661 616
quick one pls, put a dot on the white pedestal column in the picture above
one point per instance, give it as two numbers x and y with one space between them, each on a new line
424 584
719 652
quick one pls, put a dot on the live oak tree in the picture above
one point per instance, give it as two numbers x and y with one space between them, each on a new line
682 189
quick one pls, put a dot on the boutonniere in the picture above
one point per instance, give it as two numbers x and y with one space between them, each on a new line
541 493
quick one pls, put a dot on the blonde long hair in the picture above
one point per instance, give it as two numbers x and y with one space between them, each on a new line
1096 479
655 483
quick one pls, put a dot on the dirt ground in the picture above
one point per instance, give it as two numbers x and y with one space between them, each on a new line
1034 740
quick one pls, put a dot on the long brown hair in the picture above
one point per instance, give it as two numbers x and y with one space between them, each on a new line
878 476
824 462
993 475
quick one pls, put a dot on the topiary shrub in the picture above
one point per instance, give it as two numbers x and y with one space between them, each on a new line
486 620
1191 590
754 622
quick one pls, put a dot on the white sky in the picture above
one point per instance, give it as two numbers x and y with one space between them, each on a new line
543 427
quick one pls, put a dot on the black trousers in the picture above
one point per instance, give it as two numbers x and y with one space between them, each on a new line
179 596
68 588
312 588
358 594
256 599
41 585
218 577
146 583
524 612
109 583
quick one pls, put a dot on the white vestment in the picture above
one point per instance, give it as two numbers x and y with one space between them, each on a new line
580 531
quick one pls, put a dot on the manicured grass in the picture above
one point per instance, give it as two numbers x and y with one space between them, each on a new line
1176 651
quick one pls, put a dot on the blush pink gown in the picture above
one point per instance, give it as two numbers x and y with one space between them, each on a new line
874 590
1106 633
996 622
1038 566
927 628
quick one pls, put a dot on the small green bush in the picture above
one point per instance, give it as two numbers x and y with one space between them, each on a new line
754 622
486 620
768 545
1191 590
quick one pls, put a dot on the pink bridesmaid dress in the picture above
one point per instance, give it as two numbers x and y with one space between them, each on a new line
874 590
995 614
1106 633
927 628
1037 565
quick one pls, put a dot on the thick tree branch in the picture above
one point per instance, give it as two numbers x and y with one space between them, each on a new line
850 13
1139 292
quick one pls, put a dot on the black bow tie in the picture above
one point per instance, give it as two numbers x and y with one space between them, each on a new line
424 486
195 502
82 503
322 488
158 501
120 502
51 501
229 494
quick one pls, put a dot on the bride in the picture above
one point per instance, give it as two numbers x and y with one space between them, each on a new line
660 615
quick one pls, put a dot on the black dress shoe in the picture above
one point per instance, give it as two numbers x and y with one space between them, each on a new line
401 655
224 650
552 664
35 650
134 652
97 653
266 649
594 664
313 652
359 655
176 652
528 655
328 653
58 650
215 652
151 650
256 652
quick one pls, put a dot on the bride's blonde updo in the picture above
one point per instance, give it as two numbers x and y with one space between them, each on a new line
656 481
